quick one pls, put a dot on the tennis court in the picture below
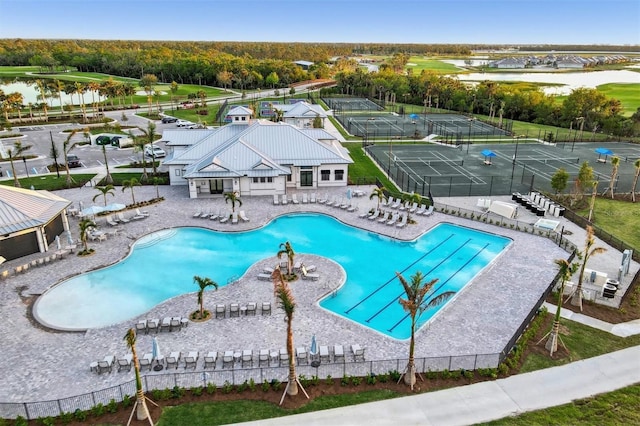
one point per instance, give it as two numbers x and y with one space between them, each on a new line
466 171
341 105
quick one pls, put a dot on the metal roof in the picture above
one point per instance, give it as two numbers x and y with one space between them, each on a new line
22 209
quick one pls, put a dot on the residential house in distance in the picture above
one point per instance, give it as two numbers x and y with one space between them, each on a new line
301 114
254 157
305 65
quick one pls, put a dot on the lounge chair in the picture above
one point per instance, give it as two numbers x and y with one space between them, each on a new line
234 218
387 202
145 361
138 217
302 355
142 326
266 308
375 215
227 359
197 214
397 203
106 364
384 218
351 208
323 200
191 360
403 221
422 209
338 353
309 268
234 310
264 277
210 359
153 324
175 323
276 201
215 216
429 211
251 308
243 216
142 213
247 358
121 218
284 357
324 354
309 276
364 215
221 311
205 215
165 325
413 208
294 199
394 219
110 220
313 199
224 217
305 198
125 362
263 357
358 352
284 199
173 360
267 270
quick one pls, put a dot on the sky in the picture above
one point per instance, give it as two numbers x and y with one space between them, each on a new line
350 21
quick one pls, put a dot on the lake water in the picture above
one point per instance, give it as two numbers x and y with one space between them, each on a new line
31 94
569 80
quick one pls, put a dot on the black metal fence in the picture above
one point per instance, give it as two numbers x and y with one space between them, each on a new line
220 377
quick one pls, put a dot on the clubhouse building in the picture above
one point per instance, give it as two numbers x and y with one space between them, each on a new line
254 157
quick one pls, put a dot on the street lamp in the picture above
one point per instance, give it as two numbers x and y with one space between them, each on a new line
581 120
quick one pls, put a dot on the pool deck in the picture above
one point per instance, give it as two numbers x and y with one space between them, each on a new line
39 364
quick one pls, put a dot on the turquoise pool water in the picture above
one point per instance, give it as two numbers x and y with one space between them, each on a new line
162 265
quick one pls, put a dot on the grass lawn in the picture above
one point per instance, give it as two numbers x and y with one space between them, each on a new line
618 218
51 182
627 94
621 407
364 169
434 65
218 413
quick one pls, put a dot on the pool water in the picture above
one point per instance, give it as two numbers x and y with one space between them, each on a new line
162 265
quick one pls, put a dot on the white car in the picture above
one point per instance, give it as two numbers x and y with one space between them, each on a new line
154 151
184 123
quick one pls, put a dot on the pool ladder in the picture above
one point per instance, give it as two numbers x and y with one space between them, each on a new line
149 241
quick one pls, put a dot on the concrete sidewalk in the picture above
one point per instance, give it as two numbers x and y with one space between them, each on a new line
482 402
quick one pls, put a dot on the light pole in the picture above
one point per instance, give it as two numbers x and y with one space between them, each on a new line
581 120
26 169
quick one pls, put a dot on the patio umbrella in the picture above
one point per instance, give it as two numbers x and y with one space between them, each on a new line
488 154
69 238
413 116
92 210
349 194
80 205
603 151
155 351
114 207
314 348
58 242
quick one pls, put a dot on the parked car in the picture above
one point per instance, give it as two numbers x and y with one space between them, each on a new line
168 119
103 140
154 151
73 161
184 123
121 141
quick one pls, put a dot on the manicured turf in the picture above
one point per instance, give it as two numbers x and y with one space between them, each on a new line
435 65
627 94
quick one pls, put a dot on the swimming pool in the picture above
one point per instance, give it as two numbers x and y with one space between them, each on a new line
162 265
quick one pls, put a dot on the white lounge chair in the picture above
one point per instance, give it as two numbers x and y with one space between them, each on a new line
266 308
358 352
247 358
397 203
224 218
142 213
284 357
403 221
110 220
323 200
338 353
375 215
106 364
172 360
243 216
294 199
309 276
234 310
263 357
429 211
384 218
264 277
125 362
394 219
142 326
153 325
234 218
313 199
284 199
305 198
165 325
251 308
197 214
422 209
276 200
227 359
145 361
302 355
210 359
191 360
215 216
324 354
121 218
138 216
413 208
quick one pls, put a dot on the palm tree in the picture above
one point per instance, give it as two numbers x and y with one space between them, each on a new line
130 184
234 198
85 226
286 302
138 146
108 178
148 138
412 198
419 299
615 164
147 82
286 249
566 270
589 250
13 153
67 146
636 164
203 283
378 192
104 191
156 181
140 407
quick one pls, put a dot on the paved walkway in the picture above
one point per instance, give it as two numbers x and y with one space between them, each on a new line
486 401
